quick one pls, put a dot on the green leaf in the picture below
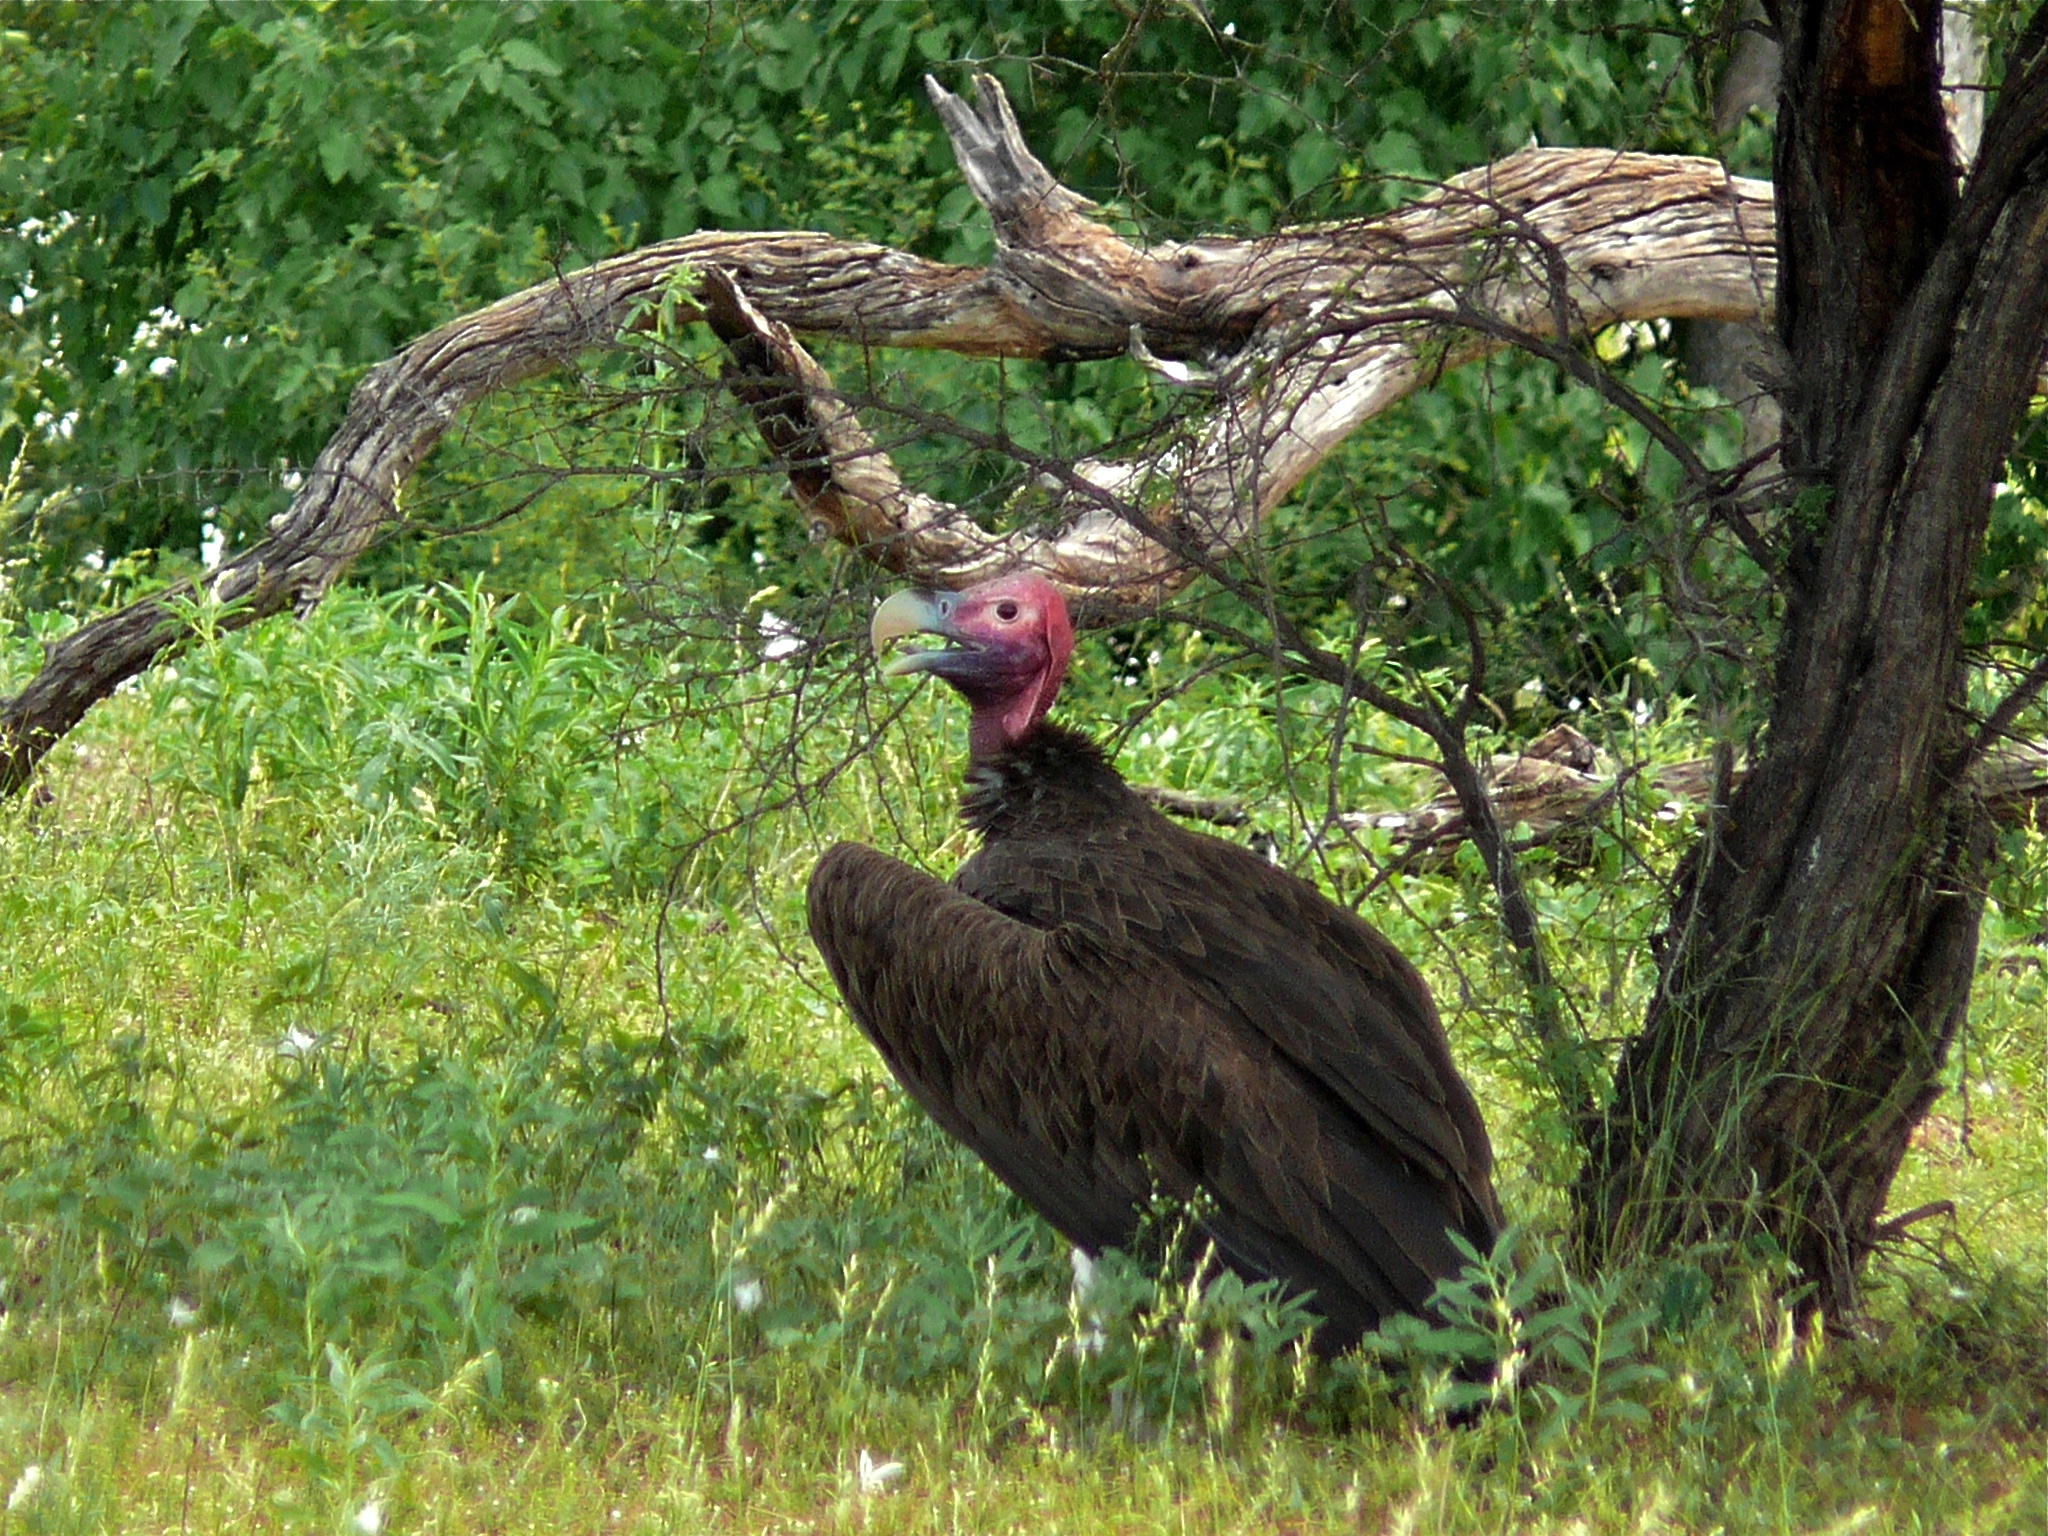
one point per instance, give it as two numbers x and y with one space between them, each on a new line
1568 1349
341 154
429 1205
1398 153
215 1253
152 199
1311 161
529 57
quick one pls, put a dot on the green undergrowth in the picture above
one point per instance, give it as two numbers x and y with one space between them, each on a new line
419 1106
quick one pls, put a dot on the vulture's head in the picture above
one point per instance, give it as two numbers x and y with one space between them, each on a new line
1006 647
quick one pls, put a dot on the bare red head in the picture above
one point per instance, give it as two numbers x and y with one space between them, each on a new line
1008 644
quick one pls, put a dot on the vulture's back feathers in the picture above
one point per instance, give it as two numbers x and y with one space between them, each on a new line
1103 1004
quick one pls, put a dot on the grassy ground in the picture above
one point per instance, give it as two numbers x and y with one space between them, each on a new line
406 1123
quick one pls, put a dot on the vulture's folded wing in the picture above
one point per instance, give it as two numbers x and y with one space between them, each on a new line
1087 1077
1277 960
969 1009
1342 1001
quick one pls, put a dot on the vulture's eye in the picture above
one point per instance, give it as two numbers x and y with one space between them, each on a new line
1006 611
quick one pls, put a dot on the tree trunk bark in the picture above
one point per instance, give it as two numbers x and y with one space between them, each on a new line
1819 957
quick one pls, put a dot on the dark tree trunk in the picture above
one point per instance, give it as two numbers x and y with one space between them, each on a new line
1820 952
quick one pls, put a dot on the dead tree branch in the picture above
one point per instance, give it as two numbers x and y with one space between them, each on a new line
1559 786
1308 332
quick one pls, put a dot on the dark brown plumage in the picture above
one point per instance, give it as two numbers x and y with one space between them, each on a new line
1103 1003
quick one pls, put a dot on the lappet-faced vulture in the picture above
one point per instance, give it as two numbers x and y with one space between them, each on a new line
1105 1005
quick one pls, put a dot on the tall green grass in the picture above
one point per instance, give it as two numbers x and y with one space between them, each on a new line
419 1105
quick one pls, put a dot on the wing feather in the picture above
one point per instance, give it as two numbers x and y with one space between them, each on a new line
1275 958
966 1006
1087 1073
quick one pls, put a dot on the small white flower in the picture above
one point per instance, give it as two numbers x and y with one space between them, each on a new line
183 1313
878 1476
748 1295
55 426
162 366
712 1154
1084 1270
524 1215
297 1044
370 1518
32 1478
781 636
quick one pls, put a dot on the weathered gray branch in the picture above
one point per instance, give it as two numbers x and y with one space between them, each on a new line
1311 332
1558 786
1556 789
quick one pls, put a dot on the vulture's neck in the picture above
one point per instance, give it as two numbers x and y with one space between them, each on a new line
1052 775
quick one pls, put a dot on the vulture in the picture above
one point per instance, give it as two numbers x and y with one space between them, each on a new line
1106 1006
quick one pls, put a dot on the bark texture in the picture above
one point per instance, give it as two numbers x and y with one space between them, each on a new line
1820 955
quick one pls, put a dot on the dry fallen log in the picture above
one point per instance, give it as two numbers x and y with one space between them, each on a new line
1552 786
1558 787
1307 334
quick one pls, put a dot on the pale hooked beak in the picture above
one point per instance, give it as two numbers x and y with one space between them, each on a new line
912 613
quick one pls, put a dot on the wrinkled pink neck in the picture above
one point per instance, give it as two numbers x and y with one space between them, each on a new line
994 729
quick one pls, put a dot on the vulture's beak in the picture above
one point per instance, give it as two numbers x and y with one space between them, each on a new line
914 613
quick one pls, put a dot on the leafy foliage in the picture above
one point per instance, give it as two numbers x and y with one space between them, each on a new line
231 211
